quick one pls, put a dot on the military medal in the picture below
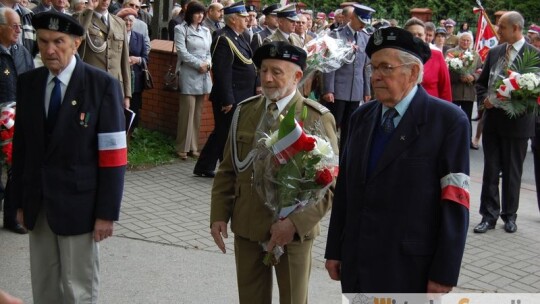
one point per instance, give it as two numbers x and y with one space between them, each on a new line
73 102
81 118
6 71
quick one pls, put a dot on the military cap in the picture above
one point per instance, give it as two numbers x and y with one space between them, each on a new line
288 11
400 39
58 22
270 9
535 29
321 15
440 30
280 50
251 8
363 13
449 22
331 15
236 8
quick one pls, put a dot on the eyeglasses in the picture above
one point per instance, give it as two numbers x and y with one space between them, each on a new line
385 69
14 26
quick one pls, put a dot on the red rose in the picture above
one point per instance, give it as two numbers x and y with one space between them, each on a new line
323 177
309 143
538 100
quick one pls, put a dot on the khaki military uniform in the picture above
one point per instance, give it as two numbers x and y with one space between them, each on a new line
294 39
235 199
106 47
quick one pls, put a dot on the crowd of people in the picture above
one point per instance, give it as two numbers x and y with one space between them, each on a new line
394 109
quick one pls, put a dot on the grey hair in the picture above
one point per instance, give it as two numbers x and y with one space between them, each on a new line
3 14
405 57
430 26
228 18
465 34
515 18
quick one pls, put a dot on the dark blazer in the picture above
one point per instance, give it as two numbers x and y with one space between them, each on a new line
234 80
396 229
137 48
496 120
258 38
64 172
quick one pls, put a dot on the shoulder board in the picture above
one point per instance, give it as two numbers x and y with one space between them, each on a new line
316 106
252 98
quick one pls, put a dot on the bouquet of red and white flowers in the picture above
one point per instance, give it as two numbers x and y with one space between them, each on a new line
7 129
516 89
295 170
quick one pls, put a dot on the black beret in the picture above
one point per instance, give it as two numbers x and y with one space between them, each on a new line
58 22
251 8
280 50
397 38
268 10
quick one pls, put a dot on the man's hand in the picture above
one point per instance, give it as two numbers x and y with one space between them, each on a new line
282 234
334 269
487 104
367 98
126 102
219 231
102 229
20 217
328 97
6 298
226 109
434 287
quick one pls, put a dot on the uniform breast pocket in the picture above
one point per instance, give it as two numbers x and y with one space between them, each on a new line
118 41
96 35
244 142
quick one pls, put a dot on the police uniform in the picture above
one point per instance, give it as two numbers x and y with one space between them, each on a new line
235 199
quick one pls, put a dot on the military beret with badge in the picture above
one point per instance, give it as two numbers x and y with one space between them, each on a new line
58 22
282 51
400 39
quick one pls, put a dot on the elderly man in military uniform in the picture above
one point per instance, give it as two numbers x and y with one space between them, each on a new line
235 80
344 89
234 196
287 19
105 44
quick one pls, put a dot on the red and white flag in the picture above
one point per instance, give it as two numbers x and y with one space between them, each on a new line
485 36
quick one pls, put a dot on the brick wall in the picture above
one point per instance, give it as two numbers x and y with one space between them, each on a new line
160 108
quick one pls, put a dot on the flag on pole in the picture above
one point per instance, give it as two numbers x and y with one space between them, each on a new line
486 38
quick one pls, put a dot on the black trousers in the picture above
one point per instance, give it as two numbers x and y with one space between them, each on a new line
536 157
342 111
213 149
10 210
506 155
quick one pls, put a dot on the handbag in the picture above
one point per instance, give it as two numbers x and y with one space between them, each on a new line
170 80
148 81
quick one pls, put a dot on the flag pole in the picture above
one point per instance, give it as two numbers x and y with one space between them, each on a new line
487 18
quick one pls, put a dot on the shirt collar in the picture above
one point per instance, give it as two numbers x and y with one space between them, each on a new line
519 44
403 105
282 103
65 75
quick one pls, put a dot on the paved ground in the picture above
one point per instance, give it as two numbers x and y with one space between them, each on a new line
162 251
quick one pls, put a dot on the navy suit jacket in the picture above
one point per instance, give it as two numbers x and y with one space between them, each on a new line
496 120
234 80
396 229
64 172
137 48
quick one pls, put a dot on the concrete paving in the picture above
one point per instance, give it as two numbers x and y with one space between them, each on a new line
162 251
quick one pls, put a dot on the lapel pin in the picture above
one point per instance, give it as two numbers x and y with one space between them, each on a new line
402 138
73 102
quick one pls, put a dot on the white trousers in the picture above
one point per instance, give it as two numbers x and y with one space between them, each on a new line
64 269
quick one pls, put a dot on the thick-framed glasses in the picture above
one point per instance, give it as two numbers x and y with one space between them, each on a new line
385 69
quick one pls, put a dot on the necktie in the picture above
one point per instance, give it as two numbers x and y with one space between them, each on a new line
54 103
271 113
355 37
104 20
217 25
507 54
388 120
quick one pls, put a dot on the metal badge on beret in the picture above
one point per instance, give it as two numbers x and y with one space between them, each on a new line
54 24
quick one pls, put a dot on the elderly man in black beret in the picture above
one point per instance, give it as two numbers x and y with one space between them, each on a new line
401 207
69 161
234 196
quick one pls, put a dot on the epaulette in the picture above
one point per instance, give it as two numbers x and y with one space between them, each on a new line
316 106
252 98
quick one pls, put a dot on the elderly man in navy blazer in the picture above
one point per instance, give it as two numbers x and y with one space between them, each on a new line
401 207
69 161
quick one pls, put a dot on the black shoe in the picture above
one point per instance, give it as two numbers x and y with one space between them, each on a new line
483 227
204 173
17 228
510 227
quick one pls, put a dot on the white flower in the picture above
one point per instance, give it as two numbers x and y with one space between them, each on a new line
455 64
322 148
269 141
528 81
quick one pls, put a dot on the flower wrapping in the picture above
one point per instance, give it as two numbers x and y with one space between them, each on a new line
295 170
7 129
516 89
327 54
